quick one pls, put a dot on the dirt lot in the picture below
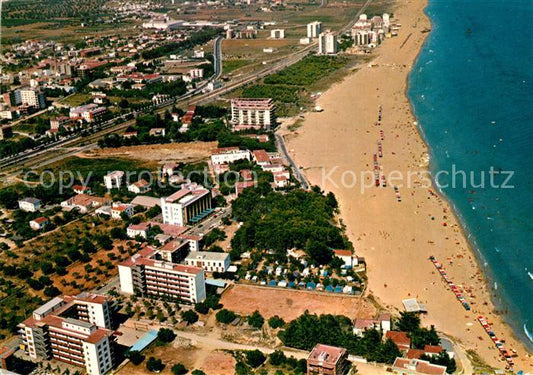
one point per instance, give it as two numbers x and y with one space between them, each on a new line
289 304
171 152
210 362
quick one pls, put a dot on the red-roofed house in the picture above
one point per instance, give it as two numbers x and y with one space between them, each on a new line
327 360
241 185
383 323
417 366
261 157
402 341
38 223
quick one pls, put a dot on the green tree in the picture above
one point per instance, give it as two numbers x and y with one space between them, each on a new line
135 357
256 320
276 322
277 358
179 369
154 365
189 316
255 358
165 335
225 316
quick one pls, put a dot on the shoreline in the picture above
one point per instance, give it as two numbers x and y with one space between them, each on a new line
517 329
446 312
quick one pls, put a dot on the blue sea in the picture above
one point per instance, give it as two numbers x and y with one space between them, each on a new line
472 92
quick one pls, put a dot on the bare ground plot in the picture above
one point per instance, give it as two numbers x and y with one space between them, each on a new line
212 362
171 152
289 304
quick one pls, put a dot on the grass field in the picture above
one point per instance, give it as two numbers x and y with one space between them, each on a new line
96 166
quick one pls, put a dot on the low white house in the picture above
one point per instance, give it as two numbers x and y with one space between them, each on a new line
119 208
135 230
228 155
383 323
209 261
29 204
38 223
139 187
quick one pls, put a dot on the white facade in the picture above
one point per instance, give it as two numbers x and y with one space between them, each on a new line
184 205
209 261
229 155
277 34
113 180
327 43
29 204
32 98
314 29
247 113
150 277
75 330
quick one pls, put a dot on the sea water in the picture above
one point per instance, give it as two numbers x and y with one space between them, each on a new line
472 92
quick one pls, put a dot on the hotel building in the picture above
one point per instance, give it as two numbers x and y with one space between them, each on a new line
327 43
150 275
228 155
314 29
74 330
327 360
186 206
252 113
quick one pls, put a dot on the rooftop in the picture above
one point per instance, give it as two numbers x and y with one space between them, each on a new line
207 255
326 354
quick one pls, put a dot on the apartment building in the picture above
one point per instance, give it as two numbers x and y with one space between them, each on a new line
186 206
29 204
327 360
327 43
277 34
248 113
147 273
209 261
314 29
32 98
228 155
89 112
113 180
75 330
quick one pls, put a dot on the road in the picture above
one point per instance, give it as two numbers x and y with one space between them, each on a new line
280 145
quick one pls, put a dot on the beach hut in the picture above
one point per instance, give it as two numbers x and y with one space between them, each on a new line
272 283
301 284
282 284
338 289
292 284
329 288
311 285
254 279
263 282
347 289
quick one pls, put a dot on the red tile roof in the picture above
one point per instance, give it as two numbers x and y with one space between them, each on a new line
399 338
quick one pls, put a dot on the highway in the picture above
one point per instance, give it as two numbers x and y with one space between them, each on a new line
67 147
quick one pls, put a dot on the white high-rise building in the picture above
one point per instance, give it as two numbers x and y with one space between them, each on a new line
252 113
74 330
150 273
314 29
327 43
32 98
188 205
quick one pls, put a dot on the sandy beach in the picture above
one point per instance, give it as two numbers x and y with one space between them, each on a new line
397 237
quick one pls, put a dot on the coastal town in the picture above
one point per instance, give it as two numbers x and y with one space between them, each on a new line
164 207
